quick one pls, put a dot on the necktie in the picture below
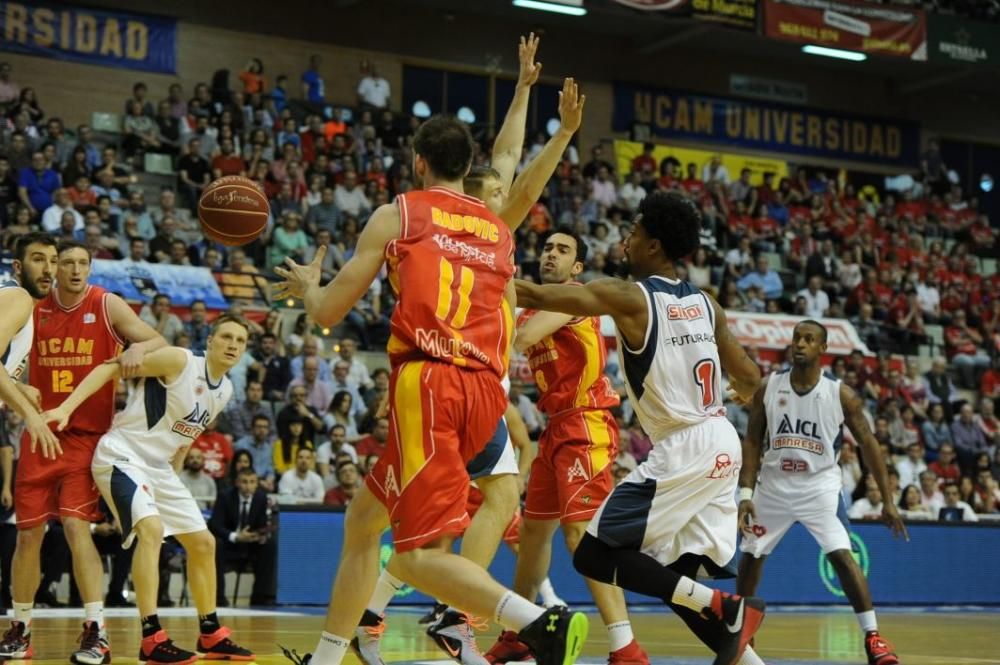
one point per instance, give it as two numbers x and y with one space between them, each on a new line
245 515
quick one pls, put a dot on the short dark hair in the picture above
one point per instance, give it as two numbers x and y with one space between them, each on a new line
581 246
66 245
33 238
817 324
198 301
230 318
475 181
446 144
261 416
674 220
246 471
338 426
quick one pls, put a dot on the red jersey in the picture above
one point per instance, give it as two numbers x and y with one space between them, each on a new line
218 453
569 367
69 343
449 268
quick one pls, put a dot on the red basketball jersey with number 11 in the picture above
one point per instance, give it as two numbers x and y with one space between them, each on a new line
69 342
449 269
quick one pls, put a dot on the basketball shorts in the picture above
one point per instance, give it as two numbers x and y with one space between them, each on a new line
135 491
512 534
824 515
441 417
573 472
497 458
681 500
54 489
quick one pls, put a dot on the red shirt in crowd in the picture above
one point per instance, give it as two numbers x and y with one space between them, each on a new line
231 165
218 452
369 446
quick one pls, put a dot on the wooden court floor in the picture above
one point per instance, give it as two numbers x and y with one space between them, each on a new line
938 638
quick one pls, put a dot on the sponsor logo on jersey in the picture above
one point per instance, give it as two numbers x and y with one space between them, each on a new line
724 468
193 423
465 250
759 530
694 338
576 471
65 351
391 485
803 427
481 228
89 317
681 313
435 344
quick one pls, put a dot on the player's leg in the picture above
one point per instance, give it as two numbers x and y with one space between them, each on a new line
26 567
500 500
535 555
751 569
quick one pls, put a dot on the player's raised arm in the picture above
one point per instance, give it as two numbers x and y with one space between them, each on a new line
529 185
871 453
17 305
510 140
744 375
539 326
166 363
330 304
142 337
753 448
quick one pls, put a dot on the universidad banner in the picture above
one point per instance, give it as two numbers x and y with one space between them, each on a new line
856 26
90 36
765 126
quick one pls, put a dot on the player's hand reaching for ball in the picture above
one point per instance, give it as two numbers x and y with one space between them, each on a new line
890 515
571 106
298 278
37 426
530 70
746 517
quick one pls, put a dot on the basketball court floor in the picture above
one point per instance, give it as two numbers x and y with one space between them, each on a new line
790 636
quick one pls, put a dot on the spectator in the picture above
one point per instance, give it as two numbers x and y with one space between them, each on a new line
764 278
37 184
632 192
940 389
259 444
817 300
911 504
912 465
139 96
596 161
333 261
374 443
357 372
329 450
318 391
159 316
869 507
954 509
968 437
288 240
342 380
198 328
302 484
9 90
241 524
194 172
310 349
199 483
963 344
350 199
930 493
324 215
273 371
296 410
217 451
987 496
252 77
373 90
988 422
714 173
341 412
313 90
238 417
141 131
946 467
61 203
348 483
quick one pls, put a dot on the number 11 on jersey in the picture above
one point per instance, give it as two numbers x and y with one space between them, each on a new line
446 284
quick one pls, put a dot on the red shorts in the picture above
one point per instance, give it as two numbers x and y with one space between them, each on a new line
573 472
512 534
441 417
64 487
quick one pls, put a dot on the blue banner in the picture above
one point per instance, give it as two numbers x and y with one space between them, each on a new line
796 573
90 36
764 126
139 282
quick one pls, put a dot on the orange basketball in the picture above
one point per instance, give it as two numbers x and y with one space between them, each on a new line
233 210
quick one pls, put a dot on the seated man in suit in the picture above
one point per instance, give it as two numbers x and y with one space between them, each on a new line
240 524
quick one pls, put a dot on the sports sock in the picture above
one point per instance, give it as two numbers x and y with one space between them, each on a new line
208 623
514 612
95 612
692 595
620 635
548 593
867 621
150 626
750 657
330 650
22 613
386 587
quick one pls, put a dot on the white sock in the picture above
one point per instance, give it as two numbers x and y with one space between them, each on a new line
867 621
386 587
95 612
620 635
548 593
514 612
22 613
330 650
692 595
750 658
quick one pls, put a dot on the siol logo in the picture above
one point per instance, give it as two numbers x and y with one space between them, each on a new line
829 576
803 427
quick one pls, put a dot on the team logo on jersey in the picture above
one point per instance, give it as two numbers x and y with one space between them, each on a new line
689 313
758 530
193 424
802 427
576 471
89 318
724 468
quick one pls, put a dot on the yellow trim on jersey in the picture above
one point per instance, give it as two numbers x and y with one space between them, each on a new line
467 279
446 274
590 343
507 319
396 345
407 402
600 440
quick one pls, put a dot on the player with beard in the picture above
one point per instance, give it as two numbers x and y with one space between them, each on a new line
77 327
572 475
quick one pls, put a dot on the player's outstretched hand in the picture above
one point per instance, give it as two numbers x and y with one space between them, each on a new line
890 515
37 426
571 106
746 517
32 394
298 278
530 70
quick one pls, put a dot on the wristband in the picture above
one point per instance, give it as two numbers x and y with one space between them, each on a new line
746 494
93 528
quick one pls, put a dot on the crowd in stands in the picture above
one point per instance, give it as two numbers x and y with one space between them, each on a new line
304 423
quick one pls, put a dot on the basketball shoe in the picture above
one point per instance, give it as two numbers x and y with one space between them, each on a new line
455 634
739 618
879 650
94 648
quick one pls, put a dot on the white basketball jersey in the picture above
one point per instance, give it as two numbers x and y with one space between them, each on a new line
16 354
804 435
673 379
159 418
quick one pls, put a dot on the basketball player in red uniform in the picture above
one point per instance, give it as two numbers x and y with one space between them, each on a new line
77 327
450 261
572 474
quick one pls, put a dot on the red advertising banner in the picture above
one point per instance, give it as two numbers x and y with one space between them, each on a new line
855 26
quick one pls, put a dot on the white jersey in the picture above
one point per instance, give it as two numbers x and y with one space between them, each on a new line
804 436
159 418
673 379
15 356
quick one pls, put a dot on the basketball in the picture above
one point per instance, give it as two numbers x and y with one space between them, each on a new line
233 210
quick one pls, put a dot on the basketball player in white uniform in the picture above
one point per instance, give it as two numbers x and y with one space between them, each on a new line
675 516
35 263
135 467
800 414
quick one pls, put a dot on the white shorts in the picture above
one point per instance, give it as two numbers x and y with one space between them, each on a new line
825 516
497 458
135 491
681 500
